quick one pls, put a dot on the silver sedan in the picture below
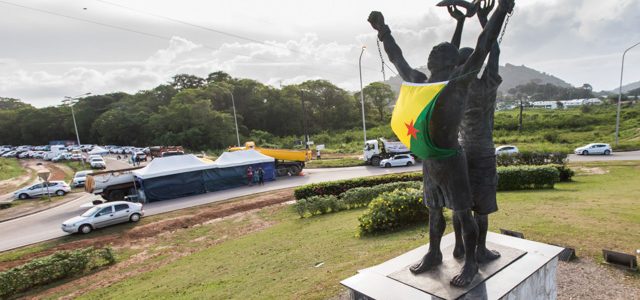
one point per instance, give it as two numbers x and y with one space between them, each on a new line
103 215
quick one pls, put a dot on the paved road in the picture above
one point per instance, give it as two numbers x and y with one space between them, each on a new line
46 225
631 155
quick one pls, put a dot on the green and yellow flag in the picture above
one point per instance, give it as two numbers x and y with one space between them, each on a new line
411 117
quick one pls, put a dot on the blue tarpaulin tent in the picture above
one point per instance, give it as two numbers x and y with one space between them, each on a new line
184 175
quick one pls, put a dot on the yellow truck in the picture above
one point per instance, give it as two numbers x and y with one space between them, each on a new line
288 162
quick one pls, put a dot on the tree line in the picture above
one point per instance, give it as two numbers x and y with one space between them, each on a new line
196 113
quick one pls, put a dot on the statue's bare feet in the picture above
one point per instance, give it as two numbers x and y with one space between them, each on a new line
484 255
469 270
429 261
458 250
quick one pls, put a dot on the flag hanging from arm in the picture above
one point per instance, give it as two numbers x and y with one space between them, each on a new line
411 117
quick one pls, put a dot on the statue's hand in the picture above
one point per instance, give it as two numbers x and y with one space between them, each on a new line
507 5
456 13
377 20
486 6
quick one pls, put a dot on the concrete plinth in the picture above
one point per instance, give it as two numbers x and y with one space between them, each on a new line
526 270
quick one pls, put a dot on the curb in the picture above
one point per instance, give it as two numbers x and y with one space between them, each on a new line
39 210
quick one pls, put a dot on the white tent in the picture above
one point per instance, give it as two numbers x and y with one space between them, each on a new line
164 166
97 150
241 158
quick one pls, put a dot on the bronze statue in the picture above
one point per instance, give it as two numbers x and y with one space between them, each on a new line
476 133
446 181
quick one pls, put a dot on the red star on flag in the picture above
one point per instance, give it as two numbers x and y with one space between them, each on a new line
412 131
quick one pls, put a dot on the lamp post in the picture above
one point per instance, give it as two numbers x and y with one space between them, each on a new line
235 118
364 127
71 101
620 93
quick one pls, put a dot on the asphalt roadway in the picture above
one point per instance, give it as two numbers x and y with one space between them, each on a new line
45 225
630 155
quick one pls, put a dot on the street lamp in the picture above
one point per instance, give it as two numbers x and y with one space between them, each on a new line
364 127
71 101
620 94
235 118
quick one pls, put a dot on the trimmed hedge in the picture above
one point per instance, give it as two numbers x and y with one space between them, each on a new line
531 159
318 205
362 196
393 210
354 198
338 187
51 268
527 177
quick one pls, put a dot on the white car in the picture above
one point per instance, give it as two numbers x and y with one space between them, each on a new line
103 215
98 163
79 178
507 149
398 160
59 188
594 148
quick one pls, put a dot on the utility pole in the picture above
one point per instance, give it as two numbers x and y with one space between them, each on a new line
72 101
304 121
620 94
364 126
520 116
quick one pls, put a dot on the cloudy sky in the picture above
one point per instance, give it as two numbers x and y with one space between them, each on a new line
56 48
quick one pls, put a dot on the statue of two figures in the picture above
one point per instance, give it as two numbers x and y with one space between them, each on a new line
462 121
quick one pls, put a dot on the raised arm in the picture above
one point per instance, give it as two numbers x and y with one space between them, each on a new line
460 17
485 7
393 50
487 38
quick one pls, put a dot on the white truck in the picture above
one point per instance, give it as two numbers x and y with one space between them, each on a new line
377 150
112 185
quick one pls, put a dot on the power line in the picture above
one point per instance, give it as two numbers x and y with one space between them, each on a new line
152 35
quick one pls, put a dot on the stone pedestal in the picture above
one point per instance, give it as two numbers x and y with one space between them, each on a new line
526 270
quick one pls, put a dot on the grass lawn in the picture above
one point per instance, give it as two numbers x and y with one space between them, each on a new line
335 163
594 212
10 168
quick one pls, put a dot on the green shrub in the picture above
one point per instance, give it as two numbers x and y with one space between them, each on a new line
393 210
527 177
531 159
341 186
44 270
565 172
361 196
318 205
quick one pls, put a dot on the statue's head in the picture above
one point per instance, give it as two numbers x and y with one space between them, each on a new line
443 57
463 55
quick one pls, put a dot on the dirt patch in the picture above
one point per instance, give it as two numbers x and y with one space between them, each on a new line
58 172
9 185
592 171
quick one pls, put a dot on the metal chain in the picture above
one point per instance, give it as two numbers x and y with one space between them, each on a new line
504 28
384 77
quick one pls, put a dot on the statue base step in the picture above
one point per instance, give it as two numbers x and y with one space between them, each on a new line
525 270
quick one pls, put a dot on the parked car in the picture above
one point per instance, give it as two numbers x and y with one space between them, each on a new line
98 163
103 215
61 156
59 188
140 156
10 154
594 148
398 160
507 149
79 178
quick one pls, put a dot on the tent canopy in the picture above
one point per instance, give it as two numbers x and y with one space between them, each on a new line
164 166
97 150
241 158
